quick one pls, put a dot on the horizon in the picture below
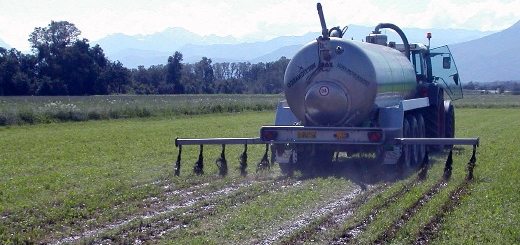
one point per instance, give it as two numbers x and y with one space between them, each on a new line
98 19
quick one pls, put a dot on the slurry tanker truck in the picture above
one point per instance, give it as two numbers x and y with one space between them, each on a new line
386 99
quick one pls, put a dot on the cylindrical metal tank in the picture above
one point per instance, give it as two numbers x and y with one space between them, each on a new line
337 82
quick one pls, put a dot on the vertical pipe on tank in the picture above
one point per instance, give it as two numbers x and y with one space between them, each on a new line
324 30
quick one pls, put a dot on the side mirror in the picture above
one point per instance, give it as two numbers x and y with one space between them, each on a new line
446 62
456 78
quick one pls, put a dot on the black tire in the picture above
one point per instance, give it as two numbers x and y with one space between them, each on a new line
273 154
449 121
414 149
422 134
406 156
434 121
303 160
380 154
287 168
309 163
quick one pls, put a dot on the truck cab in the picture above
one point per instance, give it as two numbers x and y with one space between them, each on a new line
435 66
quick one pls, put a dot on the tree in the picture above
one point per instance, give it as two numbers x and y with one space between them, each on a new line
141 82
65 64
114 79
58 35
174 73
16 76
204 74
469 86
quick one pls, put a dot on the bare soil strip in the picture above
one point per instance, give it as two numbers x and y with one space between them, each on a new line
330 220
208 208
306 219
353 231
147 206
152 227
180 208
328 224
430 230
390 232
180 203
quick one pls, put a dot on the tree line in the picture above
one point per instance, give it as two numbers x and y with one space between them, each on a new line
511 87
63 64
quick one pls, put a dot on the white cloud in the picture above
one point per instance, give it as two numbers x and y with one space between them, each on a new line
487 15
247 18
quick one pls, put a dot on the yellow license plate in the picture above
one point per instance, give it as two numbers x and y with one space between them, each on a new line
306 135
341 135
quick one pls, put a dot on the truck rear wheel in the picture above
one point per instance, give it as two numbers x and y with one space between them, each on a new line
406 154
449 121
422 134
310 159
434 120
287 168
414 149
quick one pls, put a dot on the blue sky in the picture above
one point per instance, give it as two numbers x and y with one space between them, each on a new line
258 20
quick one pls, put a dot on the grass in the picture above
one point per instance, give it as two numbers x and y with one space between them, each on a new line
248 224
63 174
490 214
45 109
57 179
490 101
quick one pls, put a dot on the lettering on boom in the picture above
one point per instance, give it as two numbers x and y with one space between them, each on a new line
303 72
354 75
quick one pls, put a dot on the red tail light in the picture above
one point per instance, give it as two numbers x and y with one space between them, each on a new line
424 92
269 135
374 136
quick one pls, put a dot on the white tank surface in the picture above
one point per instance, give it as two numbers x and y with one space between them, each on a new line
337 82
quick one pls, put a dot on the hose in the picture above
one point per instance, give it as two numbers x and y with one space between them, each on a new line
399 32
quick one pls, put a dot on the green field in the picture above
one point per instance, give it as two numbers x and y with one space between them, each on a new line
65 179
49 109
54 174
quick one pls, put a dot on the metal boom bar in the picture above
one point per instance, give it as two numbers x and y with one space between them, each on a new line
218 141
397 141
437 141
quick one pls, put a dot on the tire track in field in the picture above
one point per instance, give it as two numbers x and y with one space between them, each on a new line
343 209
430 230
325 218
391 231
152 227
353 231
305 219
328 223
206 208
149 205
178 200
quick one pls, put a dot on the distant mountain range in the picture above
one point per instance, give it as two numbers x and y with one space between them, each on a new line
4 44
480 56
154 49
491 58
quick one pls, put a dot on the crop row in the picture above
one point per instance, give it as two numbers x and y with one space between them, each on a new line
115 179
